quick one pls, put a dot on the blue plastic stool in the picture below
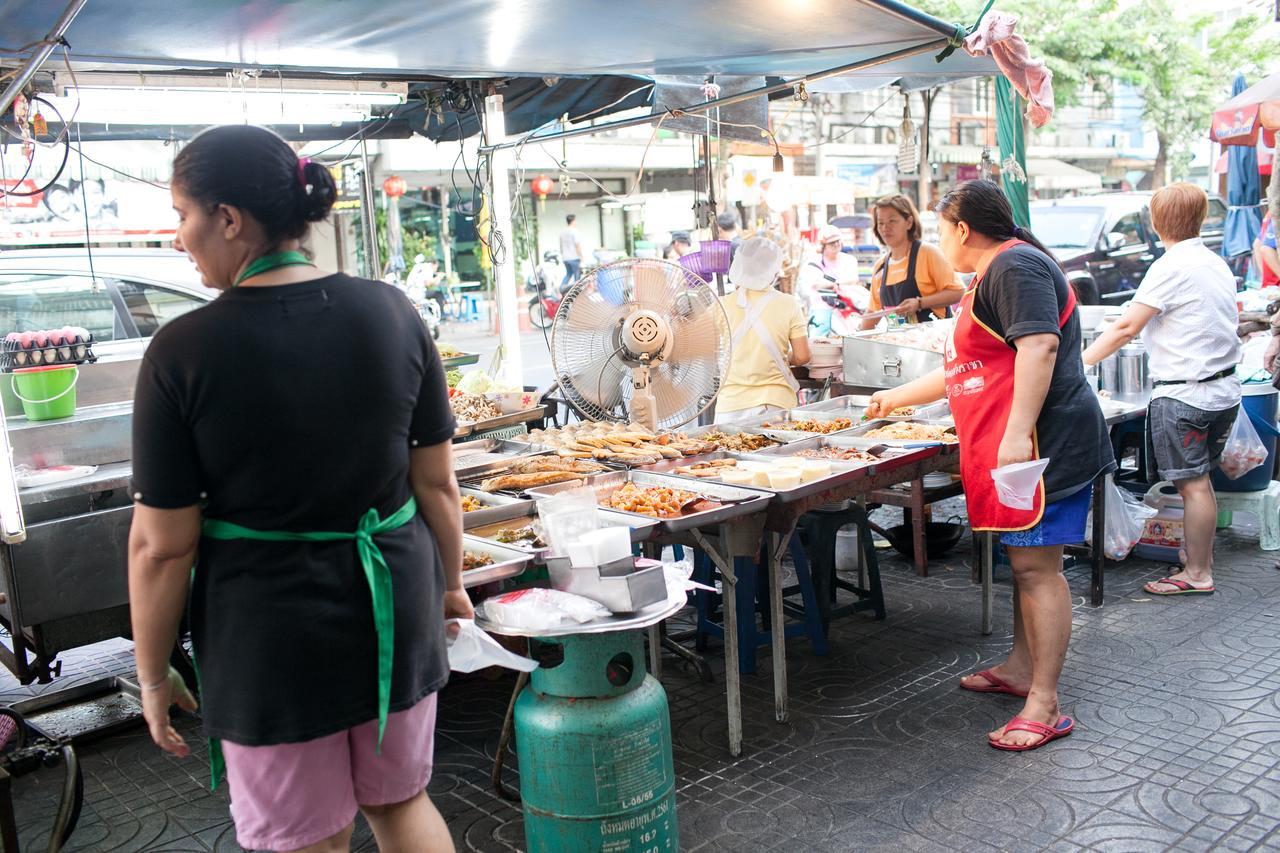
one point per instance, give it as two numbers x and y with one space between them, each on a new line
753 597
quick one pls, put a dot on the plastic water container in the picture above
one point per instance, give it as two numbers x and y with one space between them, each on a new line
847 556
1162 538
1259 400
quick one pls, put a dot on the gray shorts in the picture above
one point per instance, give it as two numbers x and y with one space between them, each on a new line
1187 441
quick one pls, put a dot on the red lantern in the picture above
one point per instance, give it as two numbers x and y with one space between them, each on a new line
395 186
542 186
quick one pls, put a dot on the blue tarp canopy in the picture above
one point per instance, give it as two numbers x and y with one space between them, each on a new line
575 55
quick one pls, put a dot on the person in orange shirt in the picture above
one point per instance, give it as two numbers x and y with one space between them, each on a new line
912 275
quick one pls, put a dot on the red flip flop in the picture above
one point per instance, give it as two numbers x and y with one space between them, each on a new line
1179 588
1047 733
998 685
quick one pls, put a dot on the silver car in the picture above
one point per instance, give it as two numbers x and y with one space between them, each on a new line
131 294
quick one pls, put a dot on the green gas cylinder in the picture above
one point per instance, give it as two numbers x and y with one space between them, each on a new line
593 735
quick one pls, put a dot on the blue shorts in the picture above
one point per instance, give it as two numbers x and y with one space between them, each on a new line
1062 524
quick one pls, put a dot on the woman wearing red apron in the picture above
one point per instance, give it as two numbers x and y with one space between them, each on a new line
1015 381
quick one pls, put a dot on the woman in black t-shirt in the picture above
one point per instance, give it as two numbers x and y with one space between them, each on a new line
1015 381
292 442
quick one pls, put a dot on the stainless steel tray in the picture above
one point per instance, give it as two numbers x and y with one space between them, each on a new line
525 512
851 406
478 456
497 507
460 360
643 618
508 562
748 500
727 429
521 417
787 436
842 473
862 430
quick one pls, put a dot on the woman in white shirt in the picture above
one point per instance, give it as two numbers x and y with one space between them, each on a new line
832 273
1185 310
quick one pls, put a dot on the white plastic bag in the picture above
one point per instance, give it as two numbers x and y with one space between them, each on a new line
542 609
1244 451
473 649
1126 518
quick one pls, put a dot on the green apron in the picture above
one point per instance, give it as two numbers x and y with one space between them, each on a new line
376 573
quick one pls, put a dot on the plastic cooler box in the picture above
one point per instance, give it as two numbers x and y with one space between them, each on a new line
1259 400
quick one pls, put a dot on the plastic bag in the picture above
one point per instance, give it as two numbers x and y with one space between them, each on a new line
473 649
542 609
1126 519
568 516
1244 451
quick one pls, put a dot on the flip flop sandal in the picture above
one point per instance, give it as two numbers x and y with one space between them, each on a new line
1180 588
997 685
1047 733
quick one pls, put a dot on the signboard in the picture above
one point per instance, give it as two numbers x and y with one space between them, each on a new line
968 173
868 179
116 211
347 177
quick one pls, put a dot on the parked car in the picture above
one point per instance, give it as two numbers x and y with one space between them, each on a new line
130 294
1106 242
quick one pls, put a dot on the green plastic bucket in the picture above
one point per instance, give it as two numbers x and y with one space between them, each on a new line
47 393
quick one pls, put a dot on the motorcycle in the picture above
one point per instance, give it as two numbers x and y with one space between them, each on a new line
545 283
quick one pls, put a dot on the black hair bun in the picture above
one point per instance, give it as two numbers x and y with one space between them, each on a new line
320 191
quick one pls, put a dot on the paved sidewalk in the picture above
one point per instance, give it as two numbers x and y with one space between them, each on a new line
1177 744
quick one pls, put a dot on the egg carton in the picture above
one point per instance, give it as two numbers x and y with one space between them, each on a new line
46 348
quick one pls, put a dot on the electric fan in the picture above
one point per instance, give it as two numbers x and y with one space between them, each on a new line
640 340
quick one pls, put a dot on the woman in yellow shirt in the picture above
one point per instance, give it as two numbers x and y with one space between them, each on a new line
913 276
770 333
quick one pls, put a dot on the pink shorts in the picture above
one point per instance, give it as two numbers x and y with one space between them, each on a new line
287 796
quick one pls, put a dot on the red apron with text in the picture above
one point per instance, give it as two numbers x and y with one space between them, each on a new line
979 375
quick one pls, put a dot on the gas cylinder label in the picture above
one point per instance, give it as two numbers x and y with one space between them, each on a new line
631 768
647 832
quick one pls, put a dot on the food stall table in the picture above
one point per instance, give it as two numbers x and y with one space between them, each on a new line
913 501
773 527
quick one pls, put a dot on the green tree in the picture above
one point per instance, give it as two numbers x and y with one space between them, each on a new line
1183 71
1080 44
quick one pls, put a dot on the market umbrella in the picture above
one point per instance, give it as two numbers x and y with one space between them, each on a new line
1251 114
1244 189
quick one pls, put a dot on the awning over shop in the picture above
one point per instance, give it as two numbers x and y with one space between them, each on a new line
504 38
1050 174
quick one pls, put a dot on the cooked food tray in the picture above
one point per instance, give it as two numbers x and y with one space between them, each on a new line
737 501
507 562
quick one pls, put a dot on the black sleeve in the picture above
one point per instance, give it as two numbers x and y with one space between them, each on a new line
166 467
433 421
1022 294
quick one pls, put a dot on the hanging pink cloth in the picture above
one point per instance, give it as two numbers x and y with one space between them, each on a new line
1032 79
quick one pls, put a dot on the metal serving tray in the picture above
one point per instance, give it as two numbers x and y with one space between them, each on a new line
497 507
842 473
850 406
460 360
511 419
508 562
787 436
747 501
521 513
853 406
862 430
479 456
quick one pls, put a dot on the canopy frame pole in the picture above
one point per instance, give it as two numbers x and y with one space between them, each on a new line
725 101
372 261
501 162
38 58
